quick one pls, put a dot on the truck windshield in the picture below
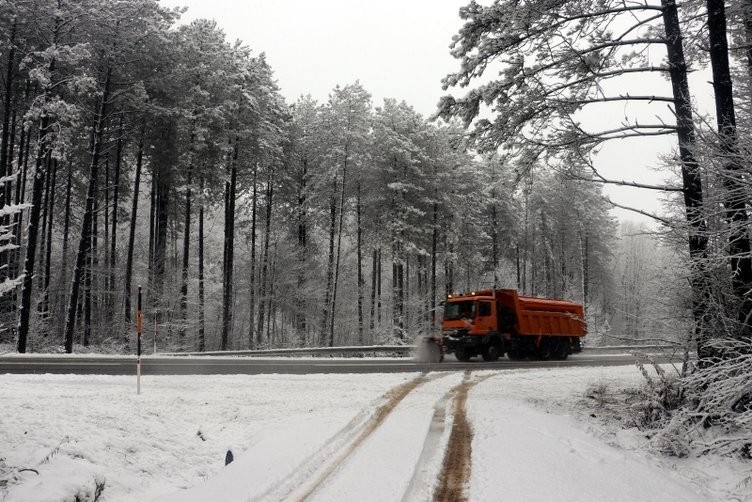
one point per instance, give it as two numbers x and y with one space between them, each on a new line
459 310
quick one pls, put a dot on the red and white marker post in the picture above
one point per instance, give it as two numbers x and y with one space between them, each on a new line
139 318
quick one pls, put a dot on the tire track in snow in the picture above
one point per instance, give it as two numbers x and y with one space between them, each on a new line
457 465
323 468
424 477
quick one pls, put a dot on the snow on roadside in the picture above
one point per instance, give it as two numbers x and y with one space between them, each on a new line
75 430
534 439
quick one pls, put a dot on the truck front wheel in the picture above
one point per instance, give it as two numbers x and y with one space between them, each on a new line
462 354
492 351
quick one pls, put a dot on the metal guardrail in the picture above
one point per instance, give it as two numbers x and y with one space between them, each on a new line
386 350
308 351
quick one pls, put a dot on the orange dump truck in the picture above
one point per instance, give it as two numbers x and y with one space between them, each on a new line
491 323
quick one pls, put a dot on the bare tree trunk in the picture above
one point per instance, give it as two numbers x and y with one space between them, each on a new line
45 213
66 231
360 269
201 326
48 257
186 258
84 241
330 262
31 242
691 179
300 312
5 164
372 324
735 203
253 339
339 251
265 258
152 224
434 250
115 202
105 272
378 290
229 248
132 229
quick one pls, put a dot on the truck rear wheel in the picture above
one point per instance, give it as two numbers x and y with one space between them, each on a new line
545 349
492 351
561 351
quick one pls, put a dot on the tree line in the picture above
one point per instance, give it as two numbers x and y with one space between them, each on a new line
558 61
550 65
137 151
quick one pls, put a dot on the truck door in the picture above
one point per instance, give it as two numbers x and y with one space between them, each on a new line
486 317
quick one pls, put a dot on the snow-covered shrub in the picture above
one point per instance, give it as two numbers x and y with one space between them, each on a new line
653 404
717 414
600 394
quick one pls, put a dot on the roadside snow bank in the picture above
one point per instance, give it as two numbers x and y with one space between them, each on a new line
76 431
535 439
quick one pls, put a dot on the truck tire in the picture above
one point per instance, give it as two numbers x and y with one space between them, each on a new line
545 349
492 351
561 350
515 355
462 355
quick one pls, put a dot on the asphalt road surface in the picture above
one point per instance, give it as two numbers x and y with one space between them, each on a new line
156 365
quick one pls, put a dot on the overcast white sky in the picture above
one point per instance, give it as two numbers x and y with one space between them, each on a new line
397 49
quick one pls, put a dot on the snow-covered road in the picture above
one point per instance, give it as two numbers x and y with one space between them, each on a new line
333 437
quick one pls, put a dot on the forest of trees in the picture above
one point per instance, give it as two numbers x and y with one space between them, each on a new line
559 61
139 151
556 81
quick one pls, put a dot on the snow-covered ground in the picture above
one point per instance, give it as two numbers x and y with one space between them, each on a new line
334 437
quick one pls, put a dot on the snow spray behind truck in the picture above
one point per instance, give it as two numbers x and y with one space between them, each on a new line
491 323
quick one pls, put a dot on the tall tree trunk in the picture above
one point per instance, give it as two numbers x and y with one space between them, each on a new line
372 324
31 241
186 251
434 251
66 231
494 243
44 152
300 308
84 240
152 225
45 214
115 204
24 152
691 180
265 257
735 203
330 261
253 339
227 298
92 276
132 229
339 251
48 253
105 273
378 290
201 324
5 164
360 268
161 223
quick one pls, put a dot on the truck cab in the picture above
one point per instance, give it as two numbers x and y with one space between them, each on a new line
470 327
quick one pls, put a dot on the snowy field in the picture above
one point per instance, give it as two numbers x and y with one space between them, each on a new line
335 437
